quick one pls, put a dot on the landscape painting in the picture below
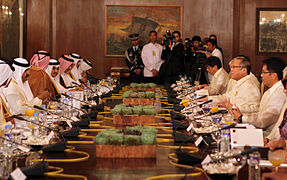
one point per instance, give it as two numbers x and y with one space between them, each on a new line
124 20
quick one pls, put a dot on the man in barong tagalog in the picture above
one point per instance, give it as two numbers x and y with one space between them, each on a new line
18 93
39 80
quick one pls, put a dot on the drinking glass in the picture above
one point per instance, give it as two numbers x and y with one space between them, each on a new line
206 108
238 161
276 158
216 136
228 119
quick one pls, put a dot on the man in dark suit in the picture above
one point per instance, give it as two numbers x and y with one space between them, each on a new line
173 55
134 59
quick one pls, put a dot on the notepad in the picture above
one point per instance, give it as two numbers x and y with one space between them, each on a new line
246 137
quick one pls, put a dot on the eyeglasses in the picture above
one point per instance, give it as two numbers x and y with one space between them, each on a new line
263 72
233 67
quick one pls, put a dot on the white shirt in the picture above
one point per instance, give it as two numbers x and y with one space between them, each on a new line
245 95
270 107
17 99
151 56
218 83
275 133
216 52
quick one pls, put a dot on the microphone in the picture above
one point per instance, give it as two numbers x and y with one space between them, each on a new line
56 100
76 99
23 119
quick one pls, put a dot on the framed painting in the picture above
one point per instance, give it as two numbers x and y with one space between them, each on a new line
12 28
122 20
271 31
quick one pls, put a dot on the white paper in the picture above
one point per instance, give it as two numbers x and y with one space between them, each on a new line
206 160
198 141
51 135
246 137
17 174
69 123
22 148
189 127
202 92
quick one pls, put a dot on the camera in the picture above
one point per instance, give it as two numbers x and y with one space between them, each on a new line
168 38
188 43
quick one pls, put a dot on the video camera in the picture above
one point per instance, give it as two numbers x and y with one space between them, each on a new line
168 38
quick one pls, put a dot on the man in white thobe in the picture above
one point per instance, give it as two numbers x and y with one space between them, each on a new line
151 56
272 100
18 93
76 73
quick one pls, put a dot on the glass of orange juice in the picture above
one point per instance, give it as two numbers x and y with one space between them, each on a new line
29 112
276 158
228 119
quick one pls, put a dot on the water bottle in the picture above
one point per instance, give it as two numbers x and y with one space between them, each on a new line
35 128
64 107
88 84
7 145
86 94
70 105
42 121
225 141
254 167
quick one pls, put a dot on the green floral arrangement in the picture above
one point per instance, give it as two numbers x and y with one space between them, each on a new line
142 95
138 135
142 85
122 109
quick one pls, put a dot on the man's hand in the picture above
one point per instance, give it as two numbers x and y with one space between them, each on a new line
226 104
274 176
276 144
44 95
137 71
154 72
236 112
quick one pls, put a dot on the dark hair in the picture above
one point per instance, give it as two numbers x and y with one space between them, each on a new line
213 35
196 38
212 41
275 65
215 38
176 32
153 31
213 61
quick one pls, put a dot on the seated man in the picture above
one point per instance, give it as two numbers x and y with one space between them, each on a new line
66 65
75 73
85 66
6 74
272 100
245 94
39 81
220 78
53 72
18 93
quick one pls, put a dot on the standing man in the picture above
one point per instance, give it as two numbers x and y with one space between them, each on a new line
151 56
173 55
212 50
134 59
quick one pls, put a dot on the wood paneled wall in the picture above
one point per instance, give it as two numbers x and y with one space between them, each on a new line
64 26
245 35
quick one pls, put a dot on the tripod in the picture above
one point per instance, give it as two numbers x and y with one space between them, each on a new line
201 74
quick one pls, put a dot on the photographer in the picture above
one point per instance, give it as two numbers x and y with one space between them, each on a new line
212 50
195 60
173 55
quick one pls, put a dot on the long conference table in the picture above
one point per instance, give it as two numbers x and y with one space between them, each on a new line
80 161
